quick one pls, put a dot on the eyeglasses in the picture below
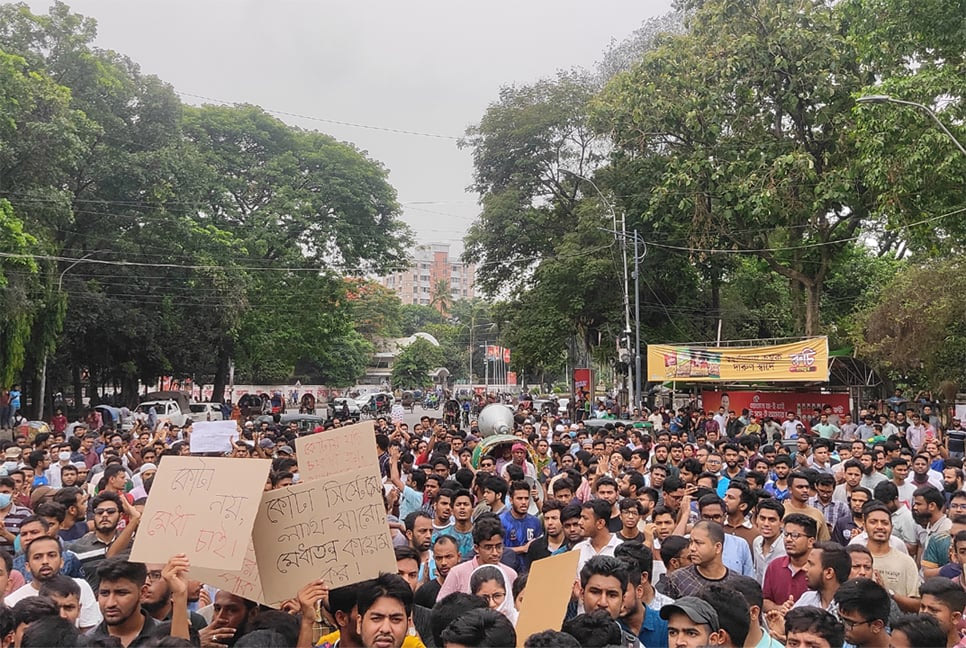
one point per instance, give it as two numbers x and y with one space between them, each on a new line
795 535
493 598
154 575
491 547
849 623
103 511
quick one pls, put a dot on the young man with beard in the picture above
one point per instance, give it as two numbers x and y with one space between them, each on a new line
770 544
446 555
900 477
603 584
800 484
864 611
462 527
927 510
44 560
827 567
692 623
345 613
903 523
824 500
443 509
554 540
895 568
637 619
385 605
598 540
785 578
419 533
849 526
852 475
706 545
157 598
779 487
740 502
119 598
572 526
923 475
520 528
105 541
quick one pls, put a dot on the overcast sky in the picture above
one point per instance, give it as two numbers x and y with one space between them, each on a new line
415 65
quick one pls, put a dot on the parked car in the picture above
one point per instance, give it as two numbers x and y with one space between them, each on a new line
167 410
205 412
306 422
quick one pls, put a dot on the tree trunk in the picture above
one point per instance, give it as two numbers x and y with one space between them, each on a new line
75 378
813 298
221 372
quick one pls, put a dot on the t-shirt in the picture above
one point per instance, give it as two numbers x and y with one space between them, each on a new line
519 532
688 581
463 539
898 572
90 612
410 501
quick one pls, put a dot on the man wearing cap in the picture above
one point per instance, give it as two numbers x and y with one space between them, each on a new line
691 623
518 455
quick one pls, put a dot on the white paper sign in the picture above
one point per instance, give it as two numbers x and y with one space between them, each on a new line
213 436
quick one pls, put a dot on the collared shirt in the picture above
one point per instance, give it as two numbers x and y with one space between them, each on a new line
782 581
832 511
653 632
91 552
746 531
147 631
813 598
762 560
659 601
587 550
458 578
90 612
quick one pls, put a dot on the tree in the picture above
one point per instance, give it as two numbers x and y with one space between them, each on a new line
415 317
412 366
916 332
746 122
912 50
375 310
440 298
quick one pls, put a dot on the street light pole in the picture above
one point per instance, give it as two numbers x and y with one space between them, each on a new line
43 365
623 246
922 107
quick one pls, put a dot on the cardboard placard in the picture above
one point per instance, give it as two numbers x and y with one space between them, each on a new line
545 599
243 582
213 436
334 529
343 449
204 507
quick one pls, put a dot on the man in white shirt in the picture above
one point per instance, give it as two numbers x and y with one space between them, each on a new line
790 426
721 418
44 561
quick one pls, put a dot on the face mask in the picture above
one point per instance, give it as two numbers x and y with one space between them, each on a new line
4 500
64 456
295 478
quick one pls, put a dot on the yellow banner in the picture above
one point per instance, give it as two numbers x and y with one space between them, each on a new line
804 361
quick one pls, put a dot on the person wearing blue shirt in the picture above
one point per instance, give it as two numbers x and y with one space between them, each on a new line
14 401
461 528
735 553
519 527
639 620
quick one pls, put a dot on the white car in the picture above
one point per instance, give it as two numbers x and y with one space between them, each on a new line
335 406
205 412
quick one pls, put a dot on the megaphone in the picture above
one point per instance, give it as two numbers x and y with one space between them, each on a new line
495 418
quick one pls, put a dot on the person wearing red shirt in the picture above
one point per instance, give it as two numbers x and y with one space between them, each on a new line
786 578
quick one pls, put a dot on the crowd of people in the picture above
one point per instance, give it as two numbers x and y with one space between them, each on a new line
691 528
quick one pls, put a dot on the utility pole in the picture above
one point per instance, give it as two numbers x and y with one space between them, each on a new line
637 324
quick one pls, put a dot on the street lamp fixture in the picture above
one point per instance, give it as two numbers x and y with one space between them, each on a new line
919 106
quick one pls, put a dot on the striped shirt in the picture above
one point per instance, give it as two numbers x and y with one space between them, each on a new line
14 518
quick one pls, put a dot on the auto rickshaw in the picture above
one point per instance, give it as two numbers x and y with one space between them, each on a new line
307 404
408 400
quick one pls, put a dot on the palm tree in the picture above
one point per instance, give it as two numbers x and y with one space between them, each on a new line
440 298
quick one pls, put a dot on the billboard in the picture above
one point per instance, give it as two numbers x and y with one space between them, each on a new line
803 361
774 404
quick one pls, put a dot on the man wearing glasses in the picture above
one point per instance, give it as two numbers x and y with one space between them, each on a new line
864 611
105 541
156 598
786 578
